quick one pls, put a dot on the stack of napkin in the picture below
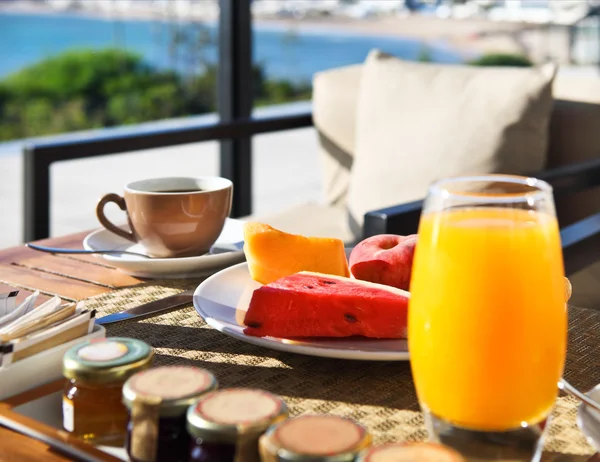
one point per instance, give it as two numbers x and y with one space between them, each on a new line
25 330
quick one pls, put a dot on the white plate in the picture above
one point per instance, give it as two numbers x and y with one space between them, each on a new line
231 239
222 300
588 419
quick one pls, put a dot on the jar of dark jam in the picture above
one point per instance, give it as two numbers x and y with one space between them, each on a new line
225 425
422 451
158 400
314 438
95 372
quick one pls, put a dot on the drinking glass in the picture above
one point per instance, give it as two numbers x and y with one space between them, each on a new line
487 327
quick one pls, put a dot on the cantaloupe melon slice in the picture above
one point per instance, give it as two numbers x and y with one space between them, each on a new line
272 254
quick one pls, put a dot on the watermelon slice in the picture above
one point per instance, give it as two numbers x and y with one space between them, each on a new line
310 304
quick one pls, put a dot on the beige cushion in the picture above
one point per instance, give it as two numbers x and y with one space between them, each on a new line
419 122
335 93
583 88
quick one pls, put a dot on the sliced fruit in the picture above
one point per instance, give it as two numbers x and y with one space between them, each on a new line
318 305
384 259
568 290
272 254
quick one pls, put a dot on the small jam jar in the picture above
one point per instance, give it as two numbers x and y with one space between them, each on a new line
425 452
225 425
158 400
95 372
314 438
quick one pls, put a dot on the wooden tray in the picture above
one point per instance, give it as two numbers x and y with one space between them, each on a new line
37 413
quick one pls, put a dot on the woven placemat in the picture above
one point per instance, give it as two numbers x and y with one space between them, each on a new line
380 395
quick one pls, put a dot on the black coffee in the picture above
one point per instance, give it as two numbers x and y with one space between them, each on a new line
179 190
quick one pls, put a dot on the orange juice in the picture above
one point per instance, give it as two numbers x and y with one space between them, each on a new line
487 317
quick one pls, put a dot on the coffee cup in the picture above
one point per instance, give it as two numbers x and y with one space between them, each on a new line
172 217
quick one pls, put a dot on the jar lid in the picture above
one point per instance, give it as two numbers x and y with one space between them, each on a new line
106 360
312 437
225 416
174 387
426 452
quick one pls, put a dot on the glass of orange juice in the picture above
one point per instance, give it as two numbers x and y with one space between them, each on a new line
487 327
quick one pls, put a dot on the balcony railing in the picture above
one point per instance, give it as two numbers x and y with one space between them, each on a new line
234 130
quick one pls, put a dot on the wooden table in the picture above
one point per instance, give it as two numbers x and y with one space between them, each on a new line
59 275
73 278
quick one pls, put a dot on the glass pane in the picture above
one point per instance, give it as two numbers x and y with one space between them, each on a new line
104 63
294 40
286 171
69 68
77 185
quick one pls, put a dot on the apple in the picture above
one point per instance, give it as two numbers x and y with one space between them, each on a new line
568 290
384 259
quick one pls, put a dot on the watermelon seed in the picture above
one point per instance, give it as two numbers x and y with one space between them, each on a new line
308 287
254 325
350 318
323 281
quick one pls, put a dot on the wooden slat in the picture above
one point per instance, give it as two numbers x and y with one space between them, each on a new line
79 270
16 446
23 294
18 254
94 260
72 241
71 289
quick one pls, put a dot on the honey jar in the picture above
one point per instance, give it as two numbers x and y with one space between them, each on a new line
314 438
425 452
95 372
225 425
158 400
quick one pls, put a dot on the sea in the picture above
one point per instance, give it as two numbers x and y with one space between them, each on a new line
286 53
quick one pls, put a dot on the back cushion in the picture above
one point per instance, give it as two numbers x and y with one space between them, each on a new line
335 94
420 122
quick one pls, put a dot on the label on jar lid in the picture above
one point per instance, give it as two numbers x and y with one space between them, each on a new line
238 406
103 351
320 435
106 360
171 382
108 352
426 452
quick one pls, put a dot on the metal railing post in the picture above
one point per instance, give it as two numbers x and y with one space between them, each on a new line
235 98
36 195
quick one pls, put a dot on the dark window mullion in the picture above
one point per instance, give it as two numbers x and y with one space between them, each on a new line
235 98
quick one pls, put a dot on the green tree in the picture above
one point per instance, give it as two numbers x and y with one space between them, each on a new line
89 89
425 55
502 59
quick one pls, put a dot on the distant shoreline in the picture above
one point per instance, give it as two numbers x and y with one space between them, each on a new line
467 37
453 33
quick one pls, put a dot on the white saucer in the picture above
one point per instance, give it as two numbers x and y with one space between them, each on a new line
588 419
228 250
222 301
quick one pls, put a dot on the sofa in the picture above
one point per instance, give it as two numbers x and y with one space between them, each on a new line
573 135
